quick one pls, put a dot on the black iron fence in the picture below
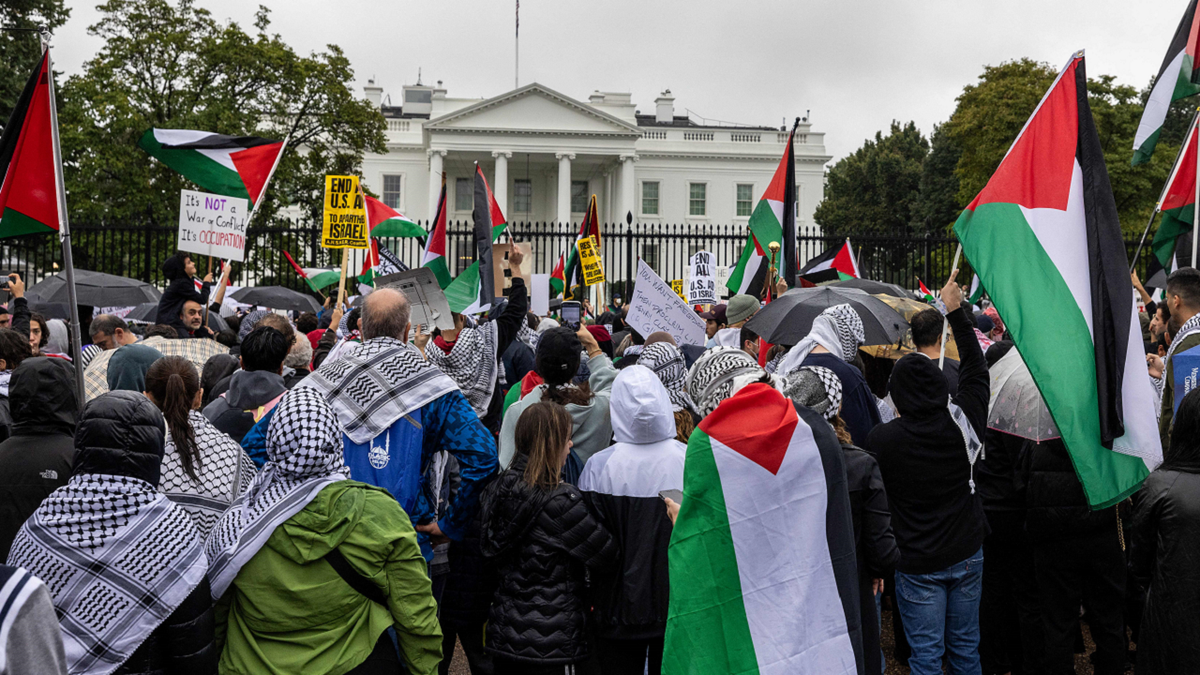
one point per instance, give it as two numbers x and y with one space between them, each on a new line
138 252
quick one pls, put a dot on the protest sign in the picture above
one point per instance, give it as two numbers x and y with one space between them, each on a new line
428 302
502 275
539 294
655 306
344 224
589 259
677 286
1186 369
212 225
702 285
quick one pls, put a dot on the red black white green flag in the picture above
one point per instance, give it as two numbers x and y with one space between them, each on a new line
1178 208
1045 239
1178 77
573 271
774 217
474 289
29 191
235 166
435 244
834 264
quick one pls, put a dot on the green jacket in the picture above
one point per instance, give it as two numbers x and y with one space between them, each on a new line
288 611
1167 416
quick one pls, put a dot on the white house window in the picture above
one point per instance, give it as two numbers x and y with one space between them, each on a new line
650 255
650 198
745 199
522 195
392 190
464 194
579 196
698 199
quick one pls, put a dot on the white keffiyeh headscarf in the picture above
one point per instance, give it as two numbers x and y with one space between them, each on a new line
838 329
472 363
667 362
718 374
304 456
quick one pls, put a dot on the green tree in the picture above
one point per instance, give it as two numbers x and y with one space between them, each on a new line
171 65
937 205
20 50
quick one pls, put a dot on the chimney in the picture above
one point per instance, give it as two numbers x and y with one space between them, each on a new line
596 97
664 108
374 94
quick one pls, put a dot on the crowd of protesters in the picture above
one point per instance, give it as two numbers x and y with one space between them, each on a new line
346 492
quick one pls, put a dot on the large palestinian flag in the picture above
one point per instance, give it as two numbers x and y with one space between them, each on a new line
774 218
29 191
749 275
1178 208
385 221
834 264
753 584
435 245
474 289
1045 240
1179 77
235 166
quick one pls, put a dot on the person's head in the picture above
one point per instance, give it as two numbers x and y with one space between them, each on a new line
840 330
280 323
128 365
300 355
740 308
264 349
216 368
173 386
820 390
110 332
714 319
14 348
1184 451
5 318
1158 323
303 438
192 315
927 329
666 361
234 322
42 397
120 433
161 330
1183 292
557 361
997 331
385 313
748 339
532 320
720 373
1174 324
657 337
179 266
306 322
603 338
39 333
227 337
641 408
543 435
917 387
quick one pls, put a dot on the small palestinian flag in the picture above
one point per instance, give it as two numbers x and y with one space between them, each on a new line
558 276
235 166
316 277
749 275
1046 227
473 290
29 191
385 221
774 217
834 264
926 294
1179 77
1178 207
754 588
435 245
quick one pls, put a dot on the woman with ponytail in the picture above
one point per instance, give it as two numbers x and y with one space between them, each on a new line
203 470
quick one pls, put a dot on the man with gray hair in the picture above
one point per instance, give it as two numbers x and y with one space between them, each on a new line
397 412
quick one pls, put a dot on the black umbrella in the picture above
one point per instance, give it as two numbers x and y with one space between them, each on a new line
147 312
95 288
873 287
277 297
51 310
789 318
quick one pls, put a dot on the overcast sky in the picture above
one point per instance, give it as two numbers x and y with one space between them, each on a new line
856 65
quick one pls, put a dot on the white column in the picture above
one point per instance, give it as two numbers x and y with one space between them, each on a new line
435 179
627 187
564 186
500 180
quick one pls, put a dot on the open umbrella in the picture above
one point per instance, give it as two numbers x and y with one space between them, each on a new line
873 287
907 307
789 318
95 288
276 297
1017 407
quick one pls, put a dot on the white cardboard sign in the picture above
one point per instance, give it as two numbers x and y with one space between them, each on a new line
539 300
702 283
654 307
212 225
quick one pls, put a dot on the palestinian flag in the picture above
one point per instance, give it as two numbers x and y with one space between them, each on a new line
573 272
474 289
834 264
926 294
753 583
558 276
1179 77
235 166
435 245
29 191
749 275
774 218
1178 207
1045 240
385 221
316 277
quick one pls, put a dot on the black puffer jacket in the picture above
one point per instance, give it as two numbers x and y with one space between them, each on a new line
875 547
1057 506
181 645
543 542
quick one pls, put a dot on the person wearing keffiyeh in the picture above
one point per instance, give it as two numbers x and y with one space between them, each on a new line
666 361
312 568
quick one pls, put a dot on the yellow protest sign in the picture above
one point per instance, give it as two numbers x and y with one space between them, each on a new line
589 259
677 286
345 221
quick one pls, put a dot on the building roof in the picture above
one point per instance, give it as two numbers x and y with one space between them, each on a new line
679 121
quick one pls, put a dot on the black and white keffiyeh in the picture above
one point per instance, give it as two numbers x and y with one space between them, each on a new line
471 363
667 362
250 321
816 388
838 329
718 374
304 456
224 472
118 557
376 383
1192 325
528 336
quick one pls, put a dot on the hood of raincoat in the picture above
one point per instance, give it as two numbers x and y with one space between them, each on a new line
641 408
918 387
42 396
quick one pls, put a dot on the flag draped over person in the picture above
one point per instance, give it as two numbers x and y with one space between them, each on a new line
1045 239
835 264
474 289
29 193
774 217
234 166
1178 77
1178 208
435 245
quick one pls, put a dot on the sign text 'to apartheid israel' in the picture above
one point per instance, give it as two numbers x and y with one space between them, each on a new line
589 260
345 221
213 225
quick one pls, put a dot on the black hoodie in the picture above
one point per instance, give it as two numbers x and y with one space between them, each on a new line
938 518
37 458
180 289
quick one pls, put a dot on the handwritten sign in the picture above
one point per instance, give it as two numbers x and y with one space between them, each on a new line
589 260
656 306
345 221
702 286
212 225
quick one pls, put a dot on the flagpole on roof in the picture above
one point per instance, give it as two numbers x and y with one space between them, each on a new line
64 225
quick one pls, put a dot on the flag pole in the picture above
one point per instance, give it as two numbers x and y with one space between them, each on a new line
267 183
64 226
1142 241
945 321
1196 205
